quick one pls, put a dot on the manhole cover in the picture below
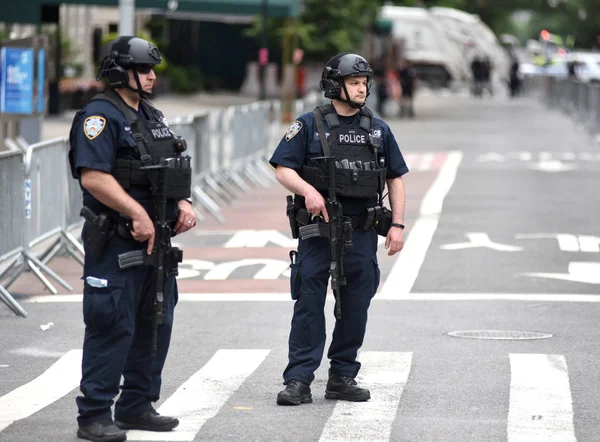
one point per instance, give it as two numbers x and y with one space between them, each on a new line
499 334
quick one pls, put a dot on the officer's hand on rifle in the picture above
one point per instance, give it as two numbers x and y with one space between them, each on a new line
394 240
186 218
315 204
143 229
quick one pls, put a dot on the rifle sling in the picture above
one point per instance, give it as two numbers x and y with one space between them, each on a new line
321 129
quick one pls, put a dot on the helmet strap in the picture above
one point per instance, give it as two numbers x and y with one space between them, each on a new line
140 91
349 102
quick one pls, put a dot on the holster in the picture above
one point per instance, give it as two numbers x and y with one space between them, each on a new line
100 229
290 211
383 222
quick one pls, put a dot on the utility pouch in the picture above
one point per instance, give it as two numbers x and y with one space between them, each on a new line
383 222
100 229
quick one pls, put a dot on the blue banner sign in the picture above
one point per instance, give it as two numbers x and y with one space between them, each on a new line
41 80
16 81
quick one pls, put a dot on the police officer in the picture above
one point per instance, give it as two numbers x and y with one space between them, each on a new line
367 157
113 138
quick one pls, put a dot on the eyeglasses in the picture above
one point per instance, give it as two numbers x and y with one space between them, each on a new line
144 68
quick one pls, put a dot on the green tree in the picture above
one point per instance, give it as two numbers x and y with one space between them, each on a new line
325 27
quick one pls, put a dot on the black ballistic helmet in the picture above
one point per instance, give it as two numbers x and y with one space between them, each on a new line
340 66
125 53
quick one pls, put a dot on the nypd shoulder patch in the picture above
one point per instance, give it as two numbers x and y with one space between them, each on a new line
93 126
293 130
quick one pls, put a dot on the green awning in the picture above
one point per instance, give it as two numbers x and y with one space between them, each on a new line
277 8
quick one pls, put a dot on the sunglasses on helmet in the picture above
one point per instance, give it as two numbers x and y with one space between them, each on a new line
144 68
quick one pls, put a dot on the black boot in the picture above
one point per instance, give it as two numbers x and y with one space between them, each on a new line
149 421
345 388
102 431
295 393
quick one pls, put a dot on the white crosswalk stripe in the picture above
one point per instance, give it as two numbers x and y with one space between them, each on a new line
540 399
385 374
62 377
539 408
202 396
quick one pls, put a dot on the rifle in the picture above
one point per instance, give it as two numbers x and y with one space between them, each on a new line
338 230
164 257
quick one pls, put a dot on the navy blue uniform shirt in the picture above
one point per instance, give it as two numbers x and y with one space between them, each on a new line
302 141
99 131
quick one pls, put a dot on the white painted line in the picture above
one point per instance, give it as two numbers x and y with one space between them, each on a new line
406 268
540 406
62 377
384 374
202 396
434 199
285 297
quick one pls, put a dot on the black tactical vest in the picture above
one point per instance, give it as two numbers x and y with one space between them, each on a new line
359 173
154 140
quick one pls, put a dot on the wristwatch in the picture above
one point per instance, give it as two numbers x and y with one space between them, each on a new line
397 225
189 200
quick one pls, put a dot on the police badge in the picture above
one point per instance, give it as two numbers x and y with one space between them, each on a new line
93 126
293 130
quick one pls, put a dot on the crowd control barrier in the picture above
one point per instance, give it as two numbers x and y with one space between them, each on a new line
579 100
40 202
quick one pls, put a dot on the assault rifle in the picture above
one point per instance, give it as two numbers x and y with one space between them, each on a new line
164 257
339 232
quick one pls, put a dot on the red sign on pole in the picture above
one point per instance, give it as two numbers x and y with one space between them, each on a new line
263 56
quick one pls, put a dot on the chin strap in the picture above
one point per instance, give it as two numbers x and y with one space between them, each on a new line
141 92
350 103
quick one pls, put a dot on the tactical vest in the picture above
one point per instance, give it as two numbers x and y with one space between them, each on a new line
358 173
154 140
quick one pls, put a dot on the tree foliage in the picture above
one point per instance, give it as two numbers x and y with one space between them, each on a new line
325 27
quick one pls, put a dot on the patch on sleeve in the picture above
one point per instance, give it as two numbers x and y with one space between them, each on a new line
293 130
93 126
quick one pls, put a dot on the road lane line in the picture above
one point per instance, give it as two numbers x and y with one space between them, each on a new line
540 407
384 374
202 395
59 380
406 268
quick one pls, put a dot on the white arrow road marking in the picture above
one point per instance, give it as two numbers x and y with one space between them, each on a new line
62 377
585 272
384 374
480 239
568 242
552 166
541 408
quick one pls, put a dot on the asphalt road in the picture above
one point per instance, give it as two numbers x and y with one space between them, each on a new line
501 242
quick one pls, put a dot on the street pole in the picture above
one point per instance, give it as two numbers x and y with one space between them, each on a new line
126 17
263 57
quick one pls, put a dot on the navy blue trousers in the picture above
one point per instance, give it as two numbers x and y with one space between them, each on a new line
309 280
118 337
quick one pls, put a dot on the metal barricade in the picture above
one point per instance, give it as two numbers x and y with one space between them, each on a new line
579 100
45 215
74 203
12 227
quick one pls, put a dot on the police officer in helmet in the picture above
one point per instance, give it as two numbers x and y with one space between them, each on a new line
367 157
116 140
